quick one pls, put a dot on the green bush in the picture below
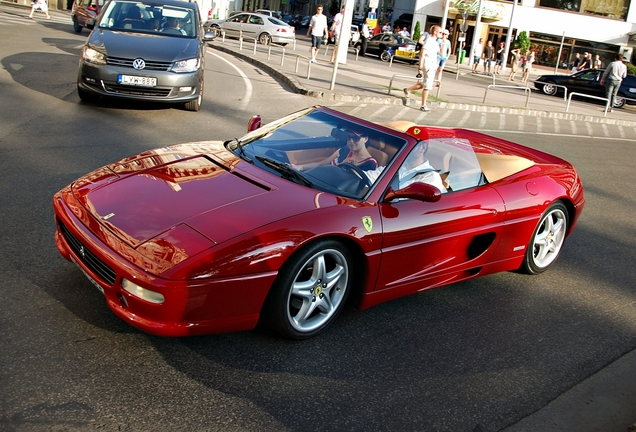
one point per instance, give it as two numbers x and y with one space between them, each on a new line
417 32
631 69
522 42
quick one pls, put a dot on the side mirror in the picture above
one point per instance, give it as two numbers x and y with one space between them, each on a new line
417 191
208 36
254 123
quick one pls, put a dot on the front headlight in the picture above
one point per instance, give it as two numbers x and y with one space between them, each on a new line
142 293
93 56
183 66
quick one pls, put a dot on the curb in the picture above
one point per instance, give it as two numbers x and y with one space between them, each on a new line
297 87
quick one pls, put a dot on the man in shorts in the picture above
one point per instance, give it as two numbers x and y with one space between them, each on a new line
336 26
477 52
428 64
444 52
41 5
318 29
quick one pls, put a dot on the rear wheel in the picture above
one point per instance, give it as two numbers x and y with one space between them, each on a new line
385 56
76 27
264 39
549 89
311 290
547 240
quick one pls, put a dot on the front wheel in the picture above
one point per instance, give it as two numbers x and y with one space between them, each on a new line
547 240
87 96
619 101
310 290
549 89
385 56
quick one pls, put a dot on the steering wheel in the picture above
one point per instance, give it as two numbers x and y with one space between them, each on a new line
364 180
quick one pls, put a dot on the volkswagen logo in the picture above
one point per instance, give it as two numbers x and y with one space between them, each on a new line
139 64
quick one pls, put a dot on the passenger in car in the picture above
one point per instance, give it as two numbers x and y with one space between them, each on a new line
416 168
355 152
172 26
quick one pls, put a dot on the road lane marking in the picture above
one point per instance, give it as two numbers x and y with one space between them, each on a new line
621 131
590 132
520 123
444 116
573 126
605 130
556 126
502 121
464 119
248 84
482 121
539 125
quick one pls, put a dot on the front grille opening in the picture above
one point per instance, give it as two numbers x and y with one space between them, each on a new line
87 257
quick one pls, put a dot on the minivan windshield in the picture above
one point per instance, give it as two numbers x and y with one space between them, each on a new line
137 16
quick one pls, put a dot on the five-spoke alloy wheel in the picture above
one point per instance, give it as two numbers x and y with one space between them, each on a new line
547 240
311 289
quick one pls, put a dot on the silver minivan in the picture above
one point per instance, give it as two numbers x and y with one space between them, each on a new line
149 50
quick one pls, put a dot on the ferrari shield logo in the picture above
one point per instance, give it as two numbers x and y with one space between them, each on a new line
368 223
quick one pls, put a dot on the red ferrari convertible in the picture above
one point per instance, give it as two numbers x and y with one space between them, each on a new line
287 222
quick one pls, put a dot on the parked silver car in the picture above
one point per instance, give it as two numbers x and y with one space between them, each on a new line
264 28
152 50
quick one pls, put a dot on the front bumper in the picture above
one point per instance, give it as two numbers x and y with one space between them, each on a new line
170 87
191 307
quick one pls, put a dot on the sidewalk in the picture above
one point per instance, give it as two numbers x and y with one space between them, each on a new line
605 401
367 80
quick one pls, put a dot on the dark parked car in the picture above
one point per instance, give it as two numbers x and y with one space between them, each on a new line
403 48
151 50
83 10
588 82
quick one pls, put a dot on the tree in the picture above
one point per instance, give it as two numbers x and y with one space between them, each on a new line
417 31
522 42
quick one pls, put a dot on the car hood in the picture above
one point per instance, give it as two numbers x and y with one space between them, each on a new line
149 47
143 197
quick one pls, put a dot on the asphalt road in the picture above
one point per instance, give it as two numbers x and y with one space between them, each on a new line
480 354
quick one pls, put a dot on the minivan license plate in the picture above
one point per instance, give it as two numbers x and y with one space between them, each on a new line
136 80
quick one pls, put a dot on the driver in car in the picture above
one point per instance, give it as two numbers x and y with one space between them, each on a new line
416 168
355 152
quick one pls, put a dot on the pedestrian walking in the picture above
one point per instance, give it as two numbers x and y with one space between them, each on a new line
489 55
477 52
318 29
42 6
444 52
614 74
336 26
499 58
427 66
576 63
516 57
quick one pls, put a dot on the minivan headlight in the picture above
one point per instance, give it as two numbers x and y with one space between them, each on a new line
182 66
93 56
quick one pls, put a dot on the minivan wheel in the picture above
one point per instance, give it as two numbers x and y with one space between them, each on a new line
87 96
195 105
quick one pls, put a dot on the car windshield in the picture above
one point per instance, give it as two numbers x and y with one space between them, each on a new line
137 16
315 144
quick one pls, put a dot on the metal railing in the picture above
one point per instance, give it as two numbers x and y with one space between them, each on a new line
526 90
607 101
411 77
355 49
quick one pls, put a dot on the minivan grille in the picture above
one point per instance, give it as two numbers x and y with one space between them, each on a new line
138 91
150 65
96 265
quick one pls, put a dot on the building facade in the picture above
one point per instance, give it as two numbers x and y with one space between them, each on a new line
558 29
